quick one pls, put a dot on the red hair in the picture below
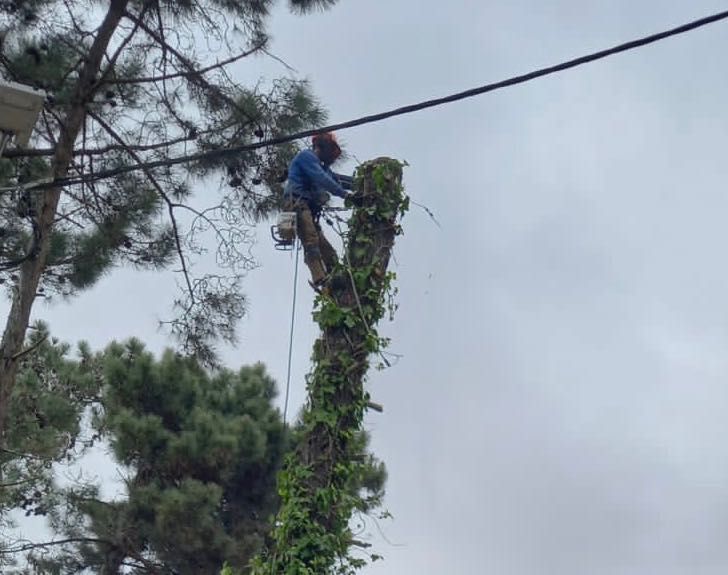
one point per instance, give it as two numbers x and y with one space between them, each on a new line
327 141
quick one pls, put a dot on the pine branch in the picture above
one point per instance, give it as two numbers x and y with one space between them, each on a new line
124 43
55 543
163 195
72 17
260 47
192 72
21 455
43 152
31 349
15 483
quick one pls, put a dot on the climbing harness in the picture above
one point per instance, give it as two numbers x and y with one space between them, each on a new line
284 231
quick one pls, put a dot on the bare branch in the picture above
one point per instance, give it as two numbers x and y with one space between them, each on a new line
31 349
55 543
162 194
193 74
280 60
201 71
22 455
124 43
75 23
15 483
39 152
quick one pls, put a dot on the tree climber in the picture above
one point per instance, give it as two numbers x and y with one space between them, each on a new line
308 188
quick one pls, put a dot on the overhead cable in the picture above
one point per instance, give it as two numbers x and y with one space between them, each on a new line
233 150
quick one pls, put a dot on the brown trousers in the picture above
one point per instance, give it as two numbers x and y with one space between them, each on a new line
319 255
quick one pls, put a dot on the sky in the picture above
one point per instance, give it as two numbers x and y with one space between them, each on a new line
560 403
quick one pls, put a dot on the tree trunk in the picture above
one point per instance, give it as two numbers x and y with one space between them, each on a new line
113 562
32 269
318 482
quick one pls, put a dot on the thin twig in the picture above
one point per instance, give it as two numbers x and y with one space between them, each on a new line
428 210
39 152
217 65
279 60
164 196
347 265
31 546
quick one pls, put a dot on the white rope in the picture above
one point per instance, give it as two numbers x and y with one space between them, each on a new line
290 337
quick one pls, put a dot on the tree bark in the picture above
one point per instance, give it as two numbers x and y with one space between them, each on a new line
32 269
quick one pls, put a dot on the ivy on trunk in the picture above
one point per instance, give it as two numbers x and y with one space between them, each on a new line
311 533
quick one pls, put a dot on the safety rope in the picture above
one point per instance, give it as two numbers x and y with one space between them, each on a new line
290 337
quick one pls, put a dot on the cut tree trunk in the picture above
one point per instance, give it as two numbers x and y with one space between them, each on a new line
318 482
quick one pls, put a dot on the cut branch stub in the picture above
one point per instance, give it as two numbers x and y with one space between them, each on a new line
319 483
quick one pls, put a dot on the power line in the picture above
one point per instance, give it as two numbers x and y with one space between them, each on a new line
231 151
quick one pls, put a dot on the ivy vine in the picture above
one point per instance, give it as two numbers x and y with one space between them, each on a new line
319 483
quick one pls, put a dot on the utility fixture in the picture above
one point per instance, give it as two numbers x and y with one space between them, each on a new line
20 106
284 232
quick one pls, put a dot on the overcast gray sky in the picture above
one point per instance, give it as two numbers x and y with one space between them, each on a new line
561 404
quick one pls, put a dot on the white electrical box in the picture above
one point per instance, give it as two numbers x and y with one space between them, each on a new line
287 226
20 106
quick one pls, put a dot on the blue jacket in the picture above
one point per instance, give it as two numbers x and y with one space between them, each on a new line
307 177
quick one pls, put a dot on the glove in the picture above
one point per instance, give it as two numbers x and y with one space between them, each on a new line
354 199
321 198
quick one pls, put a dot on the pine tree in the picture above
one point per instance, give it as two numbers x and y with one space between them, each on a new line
131 82
200 453
44 428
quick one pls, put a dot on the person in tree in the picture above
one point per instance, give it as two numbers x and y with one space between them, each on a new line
308 188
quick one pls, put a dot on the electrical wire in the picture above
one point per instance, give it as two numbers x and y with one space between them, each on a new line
234 150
